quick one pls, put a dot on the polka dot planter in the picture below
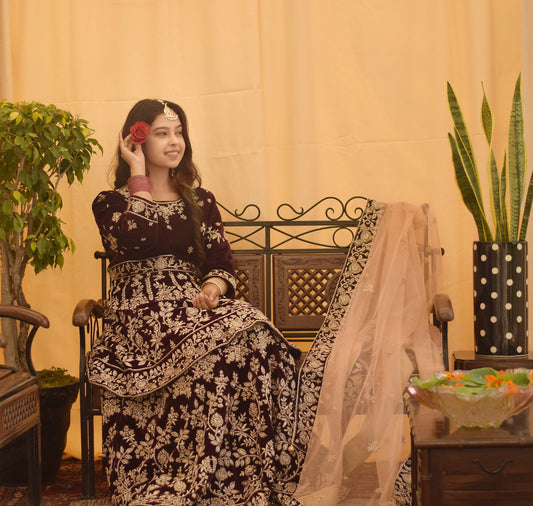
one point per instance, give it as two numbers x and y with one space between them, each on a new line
500 298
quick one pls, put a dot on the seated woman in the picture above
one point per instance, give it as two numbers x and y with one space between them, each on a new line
201 401
198 397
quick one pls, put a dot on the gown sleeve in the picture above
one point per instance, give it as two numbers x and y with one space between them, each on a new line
128 225
219 258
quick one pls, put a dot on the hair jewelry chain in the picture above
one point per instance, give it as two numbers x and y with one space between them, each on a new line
167 111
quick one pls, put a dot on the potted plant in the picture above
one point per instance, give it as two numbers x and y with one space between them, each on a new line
41 147
500 255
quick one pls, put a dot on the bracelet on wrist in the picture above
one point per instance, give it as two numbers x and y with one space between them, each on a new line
219 283
138 184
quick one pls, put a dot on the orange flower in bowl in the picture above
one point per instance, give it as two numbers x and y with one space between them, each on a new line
481 397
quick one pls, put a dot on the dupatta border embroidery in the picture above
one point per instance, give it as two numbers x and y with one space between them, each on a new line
312 371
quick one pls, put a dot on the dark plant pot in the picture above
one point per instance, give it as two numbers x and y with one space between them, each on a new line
500 299
55 405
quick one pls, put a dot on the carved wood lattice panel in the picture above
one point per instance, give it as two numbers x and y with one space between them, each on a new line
303 287
307 291
250 276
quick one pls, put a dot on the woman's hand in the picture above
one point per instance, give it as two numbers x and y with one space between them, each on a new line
208 298
133 155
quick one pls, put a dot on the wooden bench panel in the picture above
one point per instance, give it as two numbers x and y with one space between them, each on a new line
303 286
250 277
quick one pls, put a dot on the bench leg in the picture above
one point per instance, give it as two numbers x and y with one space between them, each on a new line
33 451
87 456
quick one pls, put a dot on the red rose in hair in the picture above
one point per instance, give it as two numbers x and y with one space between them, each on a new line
139 131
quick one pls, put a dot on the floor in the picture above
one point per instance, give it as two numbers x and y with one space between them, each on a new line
66 490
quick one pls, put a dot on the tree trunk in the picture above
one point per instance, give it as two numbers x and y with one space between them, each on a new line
11 293
9 326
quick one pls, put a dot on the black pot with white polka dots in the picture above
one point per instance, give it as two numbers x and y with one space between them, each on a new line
500 298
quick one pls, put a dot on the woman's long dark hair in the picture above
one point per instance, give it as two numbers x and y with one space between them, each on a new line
186 176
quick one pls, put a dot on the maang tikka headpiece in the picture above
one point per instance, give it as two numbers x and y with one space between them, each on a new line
167 111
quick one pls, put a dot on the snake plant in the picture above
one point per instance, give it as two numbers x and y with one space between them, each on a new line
510 198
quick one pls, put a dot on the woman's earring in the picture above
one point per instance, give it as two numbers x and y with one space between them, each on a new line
171 173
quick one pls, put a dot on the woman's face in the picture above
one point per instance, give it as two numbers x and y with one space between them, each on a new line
165 145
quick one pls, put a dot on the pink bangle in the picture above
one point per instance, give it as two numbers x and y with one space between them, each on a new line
138 184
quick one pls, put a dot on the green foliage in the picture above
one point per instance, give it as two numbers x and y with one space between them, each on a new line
476 381
40 147
55 377
507 187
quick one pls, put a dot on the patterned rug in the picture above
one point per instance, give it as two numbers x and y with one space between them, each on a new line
66 489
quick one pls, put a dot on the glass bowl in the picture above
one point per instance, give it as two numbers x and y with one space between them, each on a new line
488 408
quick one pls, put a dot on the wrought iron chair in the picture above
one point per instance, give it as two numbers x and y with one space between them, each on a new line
287 267
19 401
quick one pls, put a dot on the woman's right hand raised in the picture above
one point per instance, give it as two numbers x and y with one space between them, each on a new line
132 154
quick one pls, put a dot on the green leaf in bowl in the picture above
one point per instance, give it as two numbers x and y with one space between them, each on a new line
478 375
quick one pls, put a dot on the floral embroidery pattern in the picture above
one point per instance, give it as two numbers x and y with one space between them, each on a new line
131 224
312 370
201 407
198 405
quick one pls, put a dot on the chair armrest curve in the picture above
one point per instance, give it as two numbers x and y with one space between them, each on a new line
84 310
442 307
25 314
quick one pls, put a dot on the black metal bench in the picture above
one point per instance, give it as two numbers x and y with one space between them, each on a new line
287 267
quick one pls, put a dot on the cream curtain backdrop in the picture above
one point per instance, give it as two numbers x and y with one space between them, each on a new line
288 101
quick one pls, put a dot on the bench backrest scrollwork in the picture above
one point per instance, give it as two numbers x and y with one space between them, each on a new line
288 267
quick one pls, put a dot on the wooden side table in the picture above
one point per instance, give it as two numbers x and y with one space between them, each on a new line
19 416
466 360
456 466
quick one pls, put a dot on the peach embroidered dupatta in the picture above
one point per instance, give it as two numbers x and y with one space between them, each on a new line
384 334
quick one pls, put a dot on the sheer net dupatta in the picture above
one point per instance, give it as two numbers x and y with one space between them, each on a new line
383 336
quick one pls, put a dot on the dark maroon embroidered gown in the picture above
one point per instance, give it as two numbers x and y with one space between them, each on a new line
198 405
201 407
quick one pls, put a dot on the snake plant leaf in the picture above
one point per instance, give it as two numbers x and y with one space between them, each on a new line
517 161
486 117
494 178
465 146
507 189
458 120
527 210
468 193
504 222
495 196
